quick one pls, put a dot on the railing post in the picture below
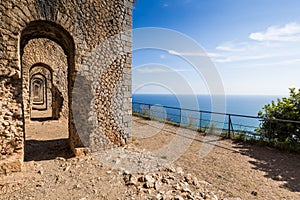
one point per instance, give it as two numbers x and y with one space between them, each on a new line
165 109
229 126
200 122
140 108
180 116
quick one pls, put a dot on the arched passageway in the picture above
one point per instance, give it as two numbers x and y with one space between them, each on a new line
37 94
41 92
47 62
38 87
83 41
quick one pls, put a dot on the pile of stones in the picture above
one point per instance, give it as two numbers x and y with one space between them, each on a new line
169 183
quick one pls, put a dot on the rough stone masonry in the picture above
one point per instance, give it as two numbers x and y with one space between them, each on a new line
71 58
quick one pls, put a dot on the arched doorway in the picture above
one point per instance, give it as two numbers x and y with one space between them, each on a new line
38 96
47 53
41 92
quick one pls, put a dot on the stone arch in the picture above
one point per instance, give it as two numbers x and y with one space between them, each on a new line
38 92
77 28
56 33
43 65
45 72
49 30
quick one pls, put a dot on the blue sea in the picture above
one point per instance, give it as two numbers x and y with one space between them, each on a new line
248 105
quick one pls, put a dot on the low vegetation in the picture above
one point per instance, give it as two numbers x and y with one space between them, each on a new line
281 125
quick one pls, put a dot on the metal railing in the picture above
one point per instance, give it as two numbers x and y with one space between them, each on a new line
223 123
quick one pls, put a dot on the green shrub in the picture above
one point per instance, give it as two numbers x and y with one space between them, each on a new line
281 134
286 109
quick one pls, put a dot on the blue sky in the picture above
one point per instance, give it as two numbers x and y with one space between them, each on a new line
254 45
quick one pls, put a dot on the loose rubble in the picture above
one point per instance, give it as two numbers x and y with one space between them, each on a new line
87 178
169 183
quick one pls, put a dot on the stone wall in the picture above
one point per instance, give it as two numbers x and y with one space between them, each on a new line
91 42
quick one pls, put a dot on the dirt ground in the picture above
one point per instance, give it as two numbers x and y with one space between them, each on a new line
245 171
233 170
46 140
51 171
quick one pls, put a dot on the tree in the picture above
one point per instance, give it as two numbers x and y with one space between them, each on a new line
278 119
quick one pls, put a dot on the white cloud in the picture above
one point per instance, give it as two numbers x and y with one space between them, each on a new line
288 33
202 54
290 62
265 48
174 52
240 58
230 46
148 70
162 69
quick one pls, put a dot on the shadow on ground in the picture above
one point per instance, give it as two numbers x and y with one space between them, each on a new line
278 165
38 150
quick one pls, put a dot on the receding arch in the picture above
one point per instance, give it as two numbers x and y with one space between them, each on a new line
50 30
38 87
41 65
45 74
56 33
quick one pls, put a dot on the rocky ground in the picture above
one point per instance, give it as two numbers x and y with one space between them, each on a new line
87 178
162 162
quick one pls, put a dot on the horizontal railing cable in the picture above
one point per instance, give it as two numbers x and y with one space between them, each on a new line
198 118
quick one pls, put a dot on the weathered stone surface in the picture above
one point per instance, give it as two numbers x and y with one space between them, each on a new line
87 45
12 165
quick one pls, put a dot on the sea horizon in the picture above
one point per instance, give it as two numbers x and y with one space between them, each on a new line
249 104
279 95
246 105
